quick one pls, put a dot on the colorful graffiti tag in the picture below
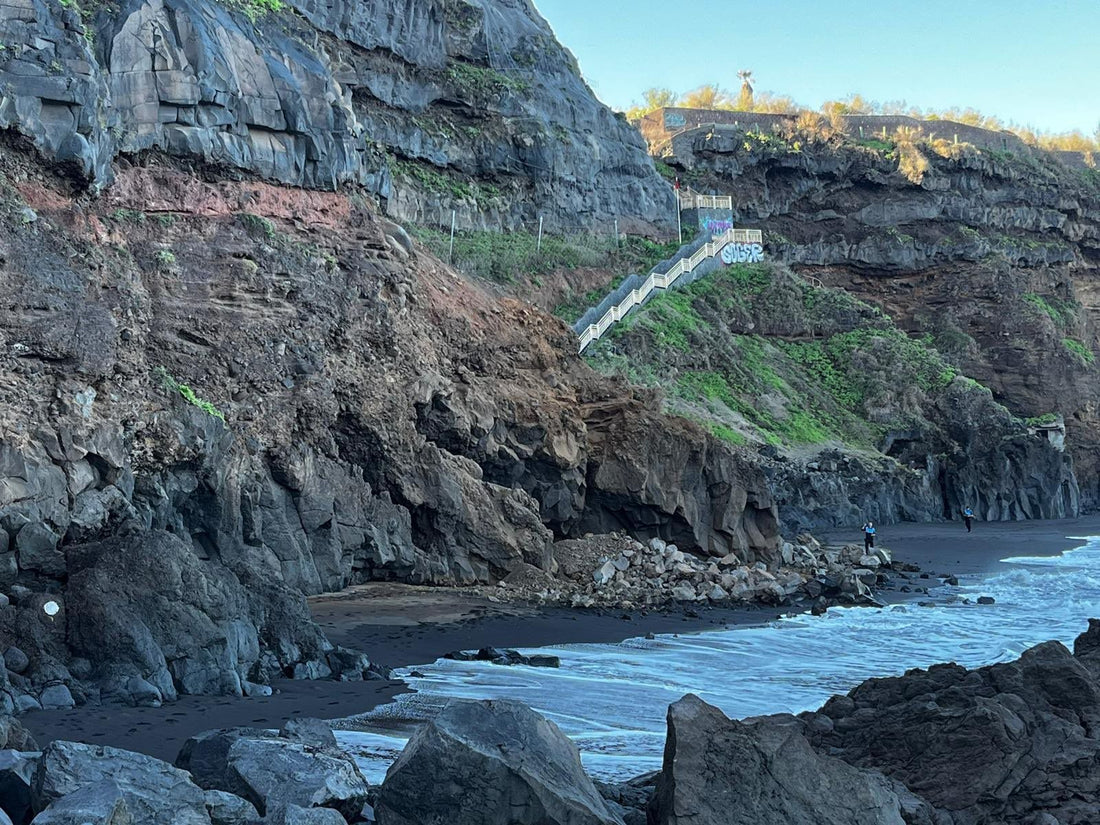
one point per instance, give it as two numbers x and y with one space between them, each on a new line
742 253
716 226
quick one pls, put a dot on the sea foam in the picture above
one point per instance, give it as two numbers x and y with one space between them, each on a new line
611 698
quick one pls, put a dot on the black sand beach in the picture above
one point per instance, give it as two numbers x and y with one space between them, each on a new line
948 548
401 626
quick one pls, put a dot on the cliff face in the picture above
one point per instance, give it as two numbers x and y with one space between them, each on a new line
852 418
430 104
992 254
228 394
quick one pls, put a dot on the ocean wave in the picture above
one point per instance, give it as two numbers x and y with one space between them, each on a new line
611 699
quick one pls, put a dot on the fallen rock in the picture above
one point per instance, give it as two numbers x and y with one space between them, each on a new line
604 573
14 736
297 815
478 759
56 697
229 809
762 771
154 791
315 732
101 803
16 660
986 600
1004 743
504 657
268 770
16 778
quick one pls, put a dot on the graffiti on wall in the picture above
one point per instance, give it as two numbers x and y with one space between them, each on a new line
674 119
716 226
742 253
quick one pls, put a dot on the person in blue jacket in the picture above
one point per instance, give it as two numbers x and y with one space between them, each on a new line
968 517
868 536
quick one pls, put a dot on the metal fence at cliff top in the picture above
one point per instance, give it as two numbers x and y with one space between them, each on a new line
528 249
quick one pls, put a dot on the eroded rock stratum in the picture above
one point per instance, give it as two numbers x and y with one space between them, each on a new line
432 105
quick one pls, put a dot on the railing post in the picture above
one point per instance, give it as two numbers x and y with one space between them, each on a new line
451 251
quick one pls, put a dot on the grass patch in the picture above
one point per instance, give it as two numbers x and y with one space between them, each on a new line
726 434
257 225
672 320
481 81
1044 420
188 394
440 182
131 216
1078 350
1062 313
254 10
512 257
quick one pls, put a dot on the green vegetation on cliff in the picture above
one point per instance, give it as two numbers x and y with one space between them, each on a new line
755 353
516 257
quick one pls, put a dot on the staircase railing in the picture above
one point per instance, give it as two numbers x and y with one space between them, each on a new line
693 200
663 280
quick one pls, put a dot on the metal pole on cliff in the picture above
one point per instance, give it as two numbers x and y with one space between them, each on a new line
679 212
616 234
451 252
538 246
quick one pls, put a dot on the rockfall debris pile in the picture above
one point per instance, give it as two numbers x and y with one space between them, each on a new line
620 572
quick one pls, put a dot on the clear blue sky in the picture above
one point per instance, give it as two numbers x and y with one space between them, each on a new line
1032 62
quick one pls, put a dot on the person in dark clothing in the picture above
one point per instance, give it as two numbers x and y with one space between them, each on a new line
868 536
968 517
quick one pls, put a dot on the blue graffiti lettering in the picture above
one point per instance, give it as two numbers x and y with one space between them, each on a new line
742 253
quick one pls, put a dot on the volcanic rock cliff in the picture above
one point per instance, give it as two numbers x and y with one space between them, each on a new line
219 396
991 254
432 105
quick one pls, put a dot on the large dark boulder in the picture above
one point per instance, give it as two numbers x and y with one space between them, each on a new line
17 770
272 771
1005 743
149 607
763 772
490 763
153 791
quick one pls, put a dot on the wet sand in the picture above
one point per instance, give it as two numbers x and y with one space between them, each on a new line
948 548
400 625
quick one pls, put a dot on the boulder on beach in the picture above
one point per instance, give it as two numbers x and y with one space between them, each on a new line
1006 743
271 770
17 770
490 763
13 735
153 790
229 809
762 771
102 803
297 815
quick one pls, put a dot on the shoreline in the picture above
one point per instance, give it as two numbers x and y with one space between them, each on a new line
405 626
